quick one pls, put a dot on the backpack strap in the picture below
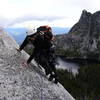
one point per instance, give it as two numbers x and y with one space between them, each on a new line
46 31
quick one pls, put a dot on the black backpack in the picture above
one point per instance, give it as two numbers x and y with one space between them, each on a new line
46 31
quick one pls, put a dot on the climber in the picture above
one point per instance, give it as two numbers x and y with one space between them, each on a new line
43 51
37 39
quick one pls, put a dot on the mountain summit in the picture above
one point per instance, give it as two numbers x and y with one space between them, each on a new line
84 36
24 83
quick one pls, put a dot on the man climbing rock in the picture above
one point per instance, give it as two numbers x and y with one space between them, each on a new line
43 52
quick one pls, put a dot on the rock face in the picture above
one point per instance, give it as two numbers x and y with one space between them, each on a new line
84 36
24 83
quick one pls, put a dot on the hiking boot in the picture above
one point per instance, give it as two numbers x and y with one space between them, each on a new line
51 77
46 73
56 80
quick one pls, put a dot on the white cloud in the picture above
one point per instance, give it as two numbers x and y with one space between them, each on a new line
30 18
63 13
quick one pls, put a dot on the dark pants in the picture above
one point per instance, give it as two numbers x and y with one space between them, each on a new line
52 64
43 61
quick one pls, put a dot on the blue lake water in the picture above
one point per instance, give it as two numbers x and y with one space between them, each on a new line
70 66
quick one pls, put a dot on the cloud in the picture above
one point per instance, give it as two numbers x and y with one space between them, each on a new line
38 17
4 22
53 12
28 18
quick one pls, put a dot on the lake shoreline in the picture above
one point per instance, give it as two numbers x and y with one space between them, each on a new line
80 61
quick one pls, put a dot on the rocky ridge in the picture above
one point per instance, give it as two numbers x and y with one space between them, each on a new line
24 83
83 37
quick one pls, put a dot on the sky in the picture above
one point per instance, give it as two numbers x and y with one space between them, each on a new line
33 13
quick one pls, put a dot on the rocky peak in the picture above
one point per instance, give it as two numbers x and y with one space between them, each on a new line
83 25
85 35
88 24
24 83
85 16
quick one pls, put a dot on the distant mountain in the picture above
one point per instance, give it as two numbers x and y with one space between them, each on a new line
83 39
19 33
